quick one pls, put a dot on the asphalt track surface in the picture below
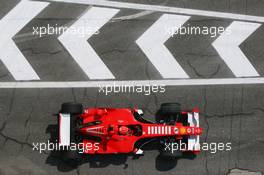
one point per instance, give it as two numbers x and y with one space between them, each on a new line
229 113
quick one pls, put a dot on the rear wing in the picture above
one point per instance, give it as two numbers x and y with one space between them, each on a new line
64 129
194 140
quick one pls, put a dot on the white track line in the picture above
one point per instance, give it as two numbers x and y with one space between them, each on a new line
166 9
96 84
227 45
11 24
152 44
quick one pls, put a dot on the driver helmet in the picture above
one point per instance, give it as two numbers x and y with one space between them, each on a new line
124 130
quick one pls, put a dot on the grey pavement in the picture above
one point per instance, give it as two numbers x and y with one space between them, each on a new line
229 113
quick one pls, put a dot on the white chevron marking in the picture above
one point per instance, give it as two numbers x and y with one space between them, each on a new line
152 44
227 45
10 25
81 50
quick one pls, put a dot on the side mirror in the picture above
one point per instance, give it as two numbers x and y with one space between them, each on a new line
139 152
140 112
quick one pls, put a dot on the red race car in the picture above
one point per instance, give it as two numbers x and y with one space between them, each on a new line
124 130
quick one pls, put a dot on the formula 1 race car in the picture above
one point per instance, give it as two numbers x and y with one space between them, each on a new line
124 130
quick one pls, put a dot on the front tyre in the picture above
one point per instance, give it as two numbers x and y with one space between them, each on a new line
72 155
169 114
167 149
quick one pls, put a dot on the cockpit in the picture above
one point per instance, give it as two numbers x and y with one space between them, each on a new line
125 130
130 130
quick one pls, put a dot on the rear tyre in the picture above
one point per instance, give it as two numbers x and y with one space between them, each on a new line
170 108
72 108
168 113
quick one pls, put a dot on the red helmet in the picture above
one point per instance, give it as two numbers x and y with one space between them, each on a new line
123 130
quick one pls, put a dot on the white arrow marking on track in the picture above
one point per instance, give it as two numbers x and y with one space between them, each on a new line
152 44
227 45
11 24
78 46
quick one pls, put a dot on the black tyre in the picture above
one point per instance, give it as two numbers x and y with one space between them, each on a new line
168 153
72 156
168 113
170 108
72 108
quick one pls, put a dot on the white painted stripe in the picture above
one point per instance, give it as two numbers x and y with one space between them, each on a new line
11 24
97 84
162 130
227 45
148 129
89 129
81 50
169 130
152 44
166 130
166 9
159 130
155 130
152 129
